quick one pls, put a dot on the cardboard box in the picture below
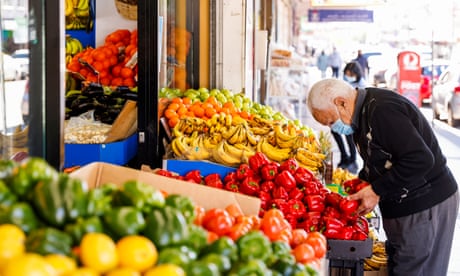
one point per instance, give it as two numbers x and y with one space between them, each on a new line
119 153
181 167
100 173
382 272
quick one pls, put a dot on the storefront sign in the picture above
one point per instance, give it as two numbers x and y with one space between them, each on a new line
344 15
409 76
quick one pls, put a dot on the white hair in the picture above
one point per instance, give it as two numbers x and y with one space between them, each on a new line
323 93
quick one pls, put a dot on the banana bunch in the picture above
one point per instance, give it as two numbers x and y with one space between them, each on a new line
231 155
378 259
72 47
311 160
274 153
15 142
339 175
77 14
240 134
190 147
188 125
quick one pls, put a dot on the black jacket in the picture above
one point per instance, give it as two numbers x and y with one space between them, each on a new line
402 158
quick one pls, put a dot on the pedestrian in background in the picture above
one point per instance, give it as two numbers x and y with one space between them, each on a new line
409 179
335 62
352 74
322 63
362 60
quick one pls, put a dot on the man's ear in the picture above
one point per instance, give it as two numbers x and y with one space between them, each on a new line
339 101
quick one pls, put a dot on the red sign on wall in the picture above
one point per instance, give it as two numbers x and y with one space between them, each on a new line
409 76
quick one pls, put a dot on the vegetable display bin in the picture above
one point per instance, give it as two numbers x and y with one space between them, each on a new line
348 255
118 153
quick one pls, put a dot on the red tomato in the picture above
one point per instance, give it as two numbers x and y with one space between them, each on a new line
318 243
273 212
218 221
271 226
284 235
303 253
299 236
199 215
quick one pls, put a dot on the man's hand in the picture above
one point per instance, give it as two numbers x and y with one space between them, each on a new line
367 198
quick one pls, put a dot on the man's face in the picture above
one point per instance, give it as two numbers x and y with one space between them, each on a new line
325 117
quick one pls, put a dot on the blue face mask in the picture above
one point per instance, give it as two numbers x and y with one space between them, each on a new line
349 79
341 128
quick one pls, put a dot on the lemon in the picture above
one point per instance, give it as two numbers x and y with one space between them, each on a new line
12 243
61 264
82 271
123 271
136 252
98 251
28 264
165 270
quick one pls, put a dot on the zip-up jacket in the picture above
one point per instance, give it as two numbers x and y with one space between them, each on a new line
402 158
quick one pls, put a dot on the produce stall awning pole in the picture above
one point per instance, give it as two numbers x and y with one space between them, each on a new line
148 122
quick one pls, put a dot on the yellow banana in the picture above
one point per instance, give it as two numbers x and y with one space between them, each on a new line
315 156
197 150
260 130
274 153
232 150
68 8
251 138
229 132
178 147
236 137
208 144
228 120
281 135
223 157
83 5
304 159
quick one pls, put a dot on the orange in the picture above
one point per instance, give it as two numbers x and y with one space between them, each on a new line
177 100
60 263
209 112
172 122
187 101
165 270
83 271
170 113
123 271
116 70
98 251
136 252
174 106
182 110
198 111
12 243
126 72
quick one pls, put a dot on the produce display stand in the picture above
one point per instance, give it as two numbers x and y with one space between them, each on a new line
348 255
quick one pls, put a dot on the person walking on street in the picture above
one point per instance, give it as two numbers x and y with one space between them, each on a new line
352 74
407 171
335 61
322 63
362 60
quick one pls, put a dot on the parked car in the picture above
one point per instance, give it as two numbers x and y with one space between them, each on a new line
22 56
11 69
431 70
445 98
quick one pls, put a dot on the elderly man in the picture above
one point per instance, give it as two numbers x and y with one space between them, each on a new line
402 160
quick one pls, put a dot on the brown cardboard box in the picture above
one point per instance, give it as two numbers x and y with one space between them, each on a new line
382 272
100 173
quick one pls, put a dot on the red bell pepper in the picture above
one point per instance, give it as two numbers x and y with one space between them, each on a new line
314 203
280 192
213 180
333 199
333 223
350 184
280 204
303 175
308 225
361 185
296 208
290 165
286 180
269 171
230 176
232 186
348 207
332 212
311 188
257 161
291 219
332 233
164 172
193 176
296 193
265 199
359 235
361 224
250 186
243 171
346 233
267 186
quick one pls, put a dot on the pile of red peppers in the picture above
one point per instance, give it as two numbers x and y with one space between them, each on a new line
305 202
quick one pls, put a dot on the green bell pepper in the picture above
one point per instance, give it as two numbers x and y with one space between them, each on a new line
83 226
224 246
30 172
173 255
20 214
75 196
49 240
281 250
254 245
182 203
140 195
49 203
198 237
100 199
252 267
223 263
123 221
166 227
7 198
202 268
6 169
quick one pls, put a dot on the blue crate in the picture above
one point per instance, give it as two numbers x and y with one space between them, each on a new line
181 167
118 153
